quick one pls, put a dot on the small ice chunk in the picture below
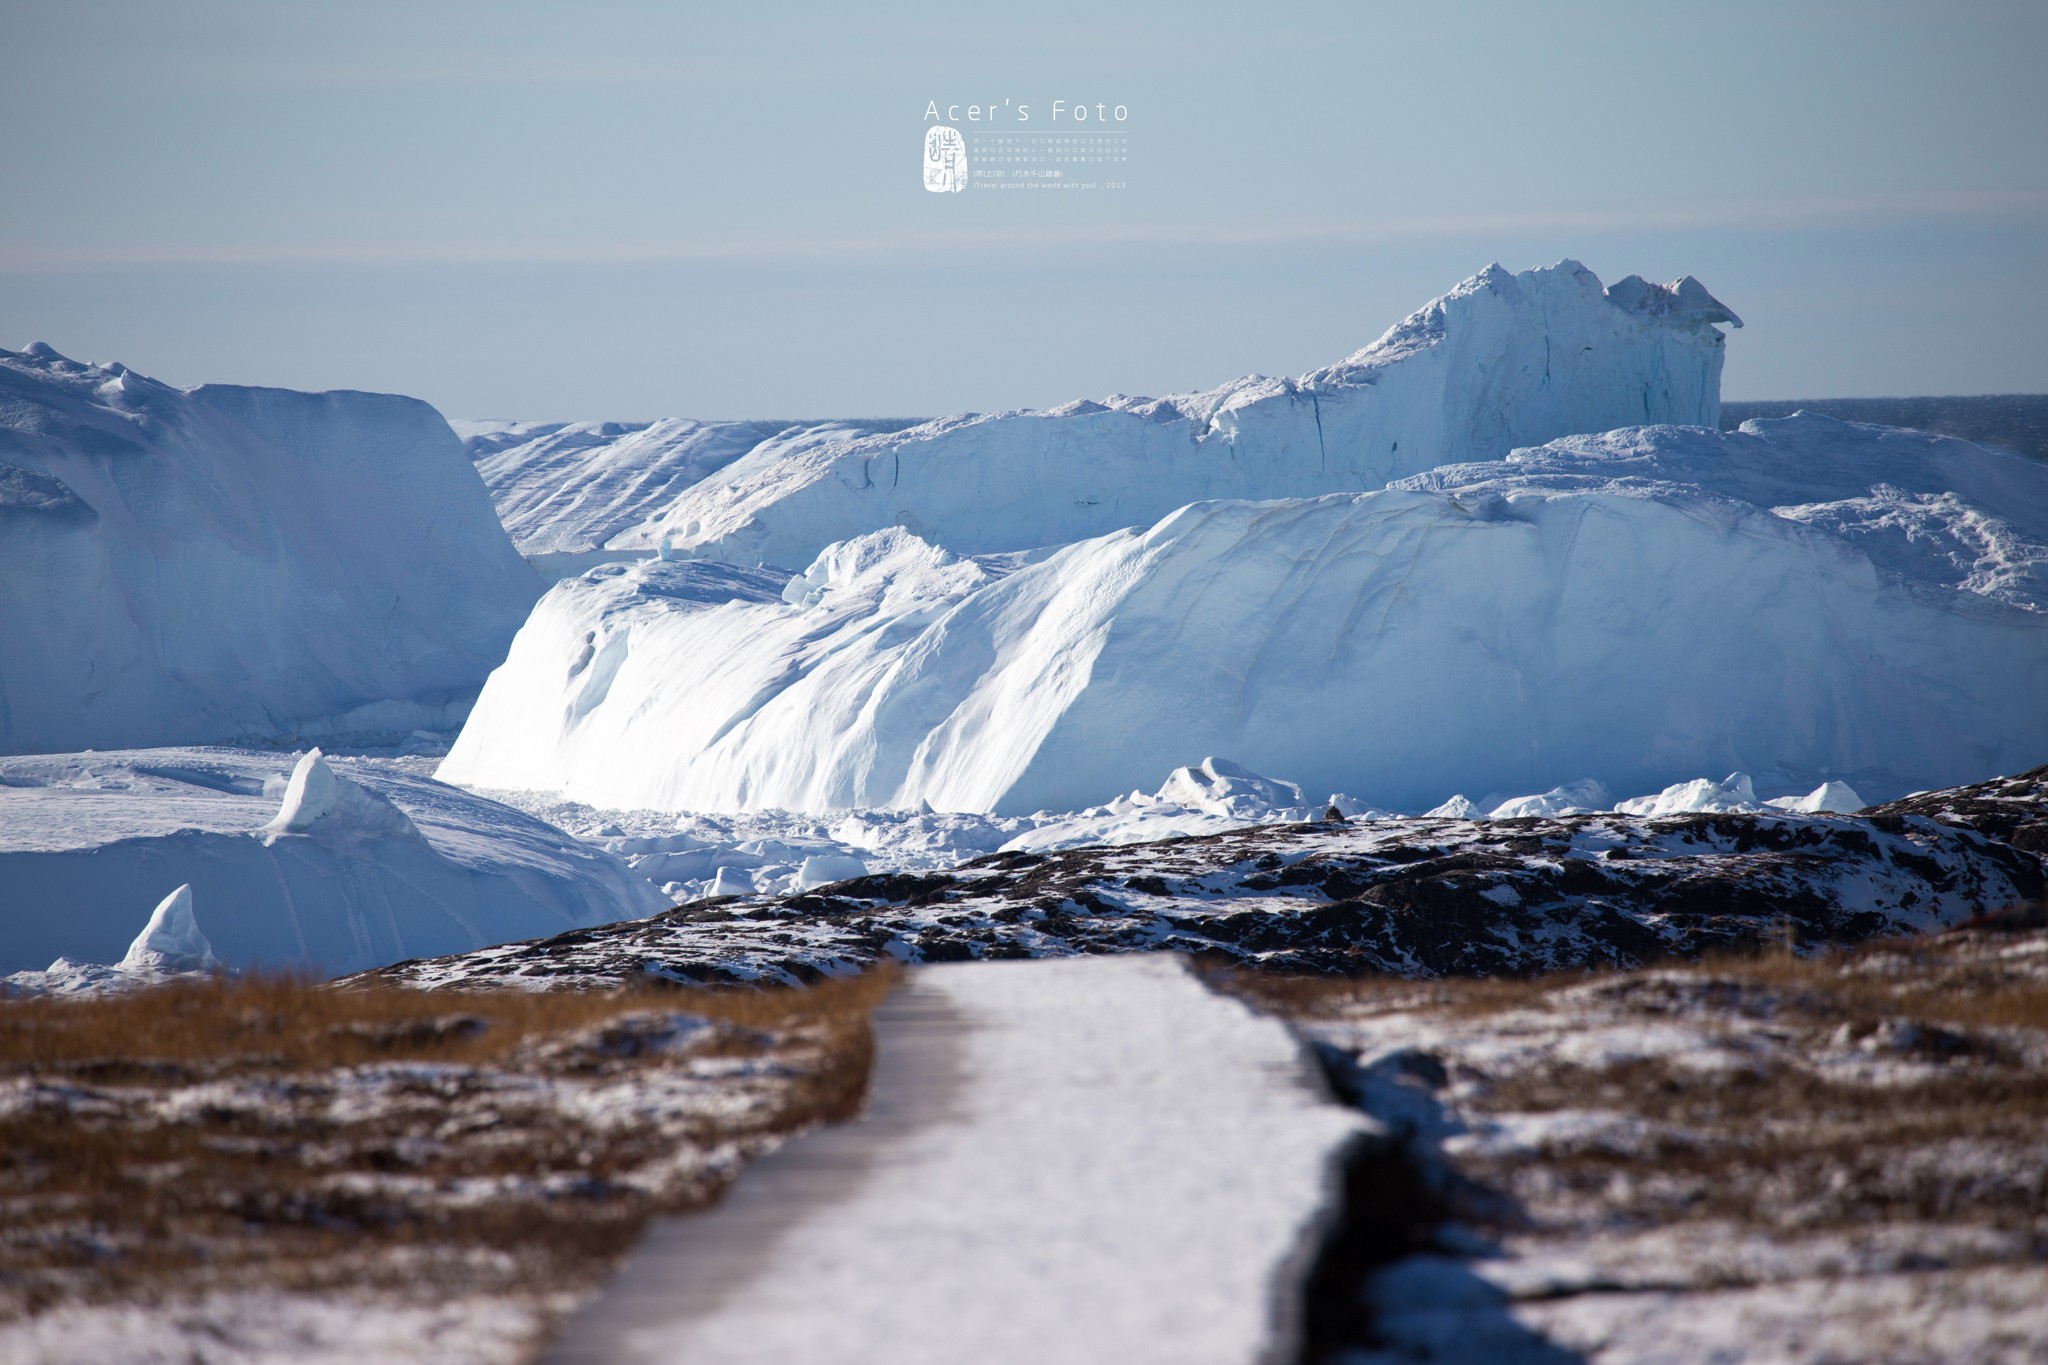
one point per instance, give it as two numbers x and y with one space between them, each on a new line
731 881
1829 798
821 869
1221 787
1459 807
1573 798
1732 793
171 941
318 800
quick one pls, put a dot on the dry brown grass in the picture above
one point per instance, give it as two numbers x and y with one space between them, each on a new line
1330 997
280 1133
1958 980
278 1023
1892 1085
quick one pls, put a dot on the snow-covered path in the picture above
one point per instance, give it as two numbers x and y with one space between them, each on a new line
1076 1160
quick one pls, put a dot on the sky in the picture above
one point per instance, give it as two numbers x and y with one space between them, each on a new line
625 211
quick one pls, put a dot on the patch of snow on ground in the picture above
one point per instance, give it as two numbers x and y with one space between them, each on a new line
262 1326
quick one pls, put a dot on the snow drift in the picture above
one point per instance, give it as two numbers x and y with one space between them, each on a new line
337 867
1503 360
1804 598
223 562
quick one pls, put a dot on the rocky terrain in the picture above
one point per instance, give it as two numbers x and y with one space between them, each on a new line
260 1170
1415 897
1759 1158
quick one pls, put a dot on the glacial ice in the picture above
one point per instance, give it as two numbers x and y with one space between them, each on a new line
822 869
1582 797
1733 793
171 941
566 490
319 801
224 562
1802 597
1503 360
1829 798
358 865
169 946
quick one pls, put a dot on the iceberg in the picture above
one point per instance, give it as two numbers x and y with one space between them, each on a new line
1800 596
1503 360
171 941
224 563
1734 793
1582 797
1829 798
343 866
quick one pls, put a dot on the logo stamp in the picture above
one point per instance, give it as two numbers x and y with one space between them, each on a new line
945 160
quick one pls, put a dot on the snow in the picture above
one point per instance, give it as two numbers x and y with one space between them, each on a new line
697 854
1502 360
1100 1155
565 490
227 563
253 1327
693 855
1407 896
343 865
1636 608
1742 1222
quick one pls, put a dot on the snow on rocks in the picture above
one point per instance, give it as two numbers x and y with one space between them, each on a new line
1804 597
344 865
225 562
1411 896
1742 1161
1503 360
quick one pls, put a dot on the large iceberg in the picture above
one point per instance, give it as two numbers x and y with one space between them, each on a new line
1805 597
1503 360
224 562
326 865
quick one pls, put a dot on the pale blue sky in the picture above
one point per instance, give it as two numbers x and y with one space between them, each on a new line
631 210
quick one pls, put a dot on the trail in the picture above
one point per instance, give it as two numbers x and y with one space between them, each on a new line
1088 1159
